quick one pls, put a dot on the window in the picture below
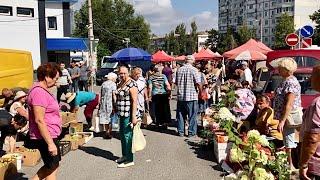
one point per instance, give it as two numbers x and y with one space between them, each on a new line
266 14
266 39
266 5
27 12
273 21
52 23
6 10
266 22
266 31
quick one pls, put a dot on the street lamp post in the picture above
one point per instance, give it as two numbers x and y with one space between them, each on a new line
260 28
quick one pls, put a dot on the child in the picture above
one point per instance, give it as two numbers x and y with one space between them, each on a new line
265 123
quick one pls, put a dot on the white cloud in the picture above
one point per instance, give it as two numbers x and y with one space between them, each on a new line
163 18
205 20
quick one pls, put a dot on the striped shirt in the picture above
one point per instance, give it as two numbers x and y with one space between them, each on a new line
158 82
186 80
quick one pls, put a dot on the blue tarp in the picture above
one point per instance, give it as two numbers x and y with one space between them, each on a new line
66 44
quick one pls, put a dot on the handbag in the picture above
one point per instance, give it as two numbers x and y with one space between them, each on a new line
138 140
146 119
295 118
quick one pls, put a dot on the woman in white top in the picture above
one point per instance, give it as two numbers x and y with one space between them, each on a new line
17 106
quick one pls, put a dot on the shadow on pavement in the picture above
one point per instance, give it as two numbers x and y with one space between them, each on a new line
202 151
154 128
18 176
99 152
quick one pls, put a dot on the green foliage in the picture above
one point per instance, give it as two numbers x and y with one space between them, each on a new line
113 20
191 45
245 33
280 166
213 39
229 99
227 41
315 17
284 26
232 132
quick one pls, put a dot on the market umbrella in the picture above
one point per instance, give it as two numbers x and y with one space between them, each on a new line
130 54
161 56
204 54
180 58
249 55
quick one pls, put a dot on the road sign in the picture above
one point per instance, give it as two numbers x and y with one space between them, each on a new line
306 42
292 39
307 31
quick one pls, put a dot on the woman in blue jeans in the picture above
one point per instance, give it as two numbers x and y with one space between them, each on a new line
127 100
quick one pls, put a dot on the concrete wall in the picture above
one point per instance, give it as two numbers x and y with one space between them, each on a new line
55 9
21 33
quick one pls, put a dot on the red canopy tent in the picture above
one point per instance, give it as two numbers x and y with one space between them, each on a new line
161 56
251 45
180 58
206 54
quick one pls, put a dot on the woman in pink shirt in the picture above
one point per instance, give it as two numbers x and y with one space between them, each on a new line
310 134
45 121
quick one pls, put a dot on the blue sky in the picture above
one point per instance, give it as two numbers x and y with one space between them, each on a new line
164 15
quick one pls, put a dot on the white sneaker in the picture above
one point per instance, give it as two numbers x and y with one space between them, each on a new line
126 164
91 129
120 160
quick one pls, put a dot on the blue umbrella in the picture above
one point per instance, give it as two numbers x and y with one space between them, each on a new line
130 54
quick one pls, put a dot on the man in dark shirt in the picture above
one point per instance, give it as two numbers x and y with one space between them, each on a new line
9 125
167 71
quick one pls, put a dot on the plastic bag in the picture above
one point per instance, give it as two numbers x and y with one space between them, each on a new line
138 140
147 120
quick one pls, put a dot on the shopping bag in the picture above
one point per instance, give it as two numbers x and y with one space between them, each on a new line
115 121
146 119
96 125
295 118
138 140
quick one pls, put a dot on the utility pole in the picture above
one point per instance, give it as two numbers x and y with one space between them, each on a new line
92 56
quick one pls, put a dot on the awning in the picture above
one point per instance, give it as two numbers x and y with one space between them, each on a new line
66 44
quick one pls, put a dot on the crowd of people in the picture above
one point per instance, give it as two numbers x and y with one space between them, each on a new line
129 96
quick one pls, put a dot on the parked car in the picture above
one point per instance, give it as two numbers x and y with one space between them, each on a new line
305 59
107 66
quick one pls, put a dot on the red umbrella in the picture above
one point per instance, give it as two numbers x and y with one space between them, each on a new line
204 54
161 56
249 55
180 58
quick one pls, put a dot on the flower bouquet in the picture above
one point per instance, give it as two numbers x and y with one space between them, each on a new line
253 159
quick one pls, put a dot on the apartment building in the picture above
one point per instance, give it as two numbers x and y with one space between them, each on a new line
262 15
40 27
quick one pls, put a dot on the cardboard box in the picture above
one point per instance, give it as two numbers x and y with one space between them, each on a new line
75 127
221 150
7 169
68 117
30 157
87 136
65 147
75 140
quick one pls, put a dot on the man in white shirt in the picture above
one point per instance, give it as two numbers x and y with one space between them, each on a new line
63 81
247 74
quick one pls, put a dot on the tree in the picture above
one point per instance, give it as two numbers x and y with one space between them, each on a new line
213 39
182 38
316 18
193 39
245 33
113 21
227 41
284 26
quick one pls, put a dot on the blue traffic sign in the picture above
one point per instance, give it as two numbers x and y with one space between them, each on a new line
307 31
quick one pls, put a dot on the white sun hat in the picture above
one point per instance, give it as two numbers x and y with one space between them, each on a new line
70 97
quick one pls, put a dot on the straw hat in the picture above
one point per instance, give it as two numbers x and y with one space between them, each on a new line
70 97
19 94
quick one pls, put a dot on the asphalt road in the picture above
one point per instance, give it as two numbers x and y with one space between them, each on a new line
166 156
